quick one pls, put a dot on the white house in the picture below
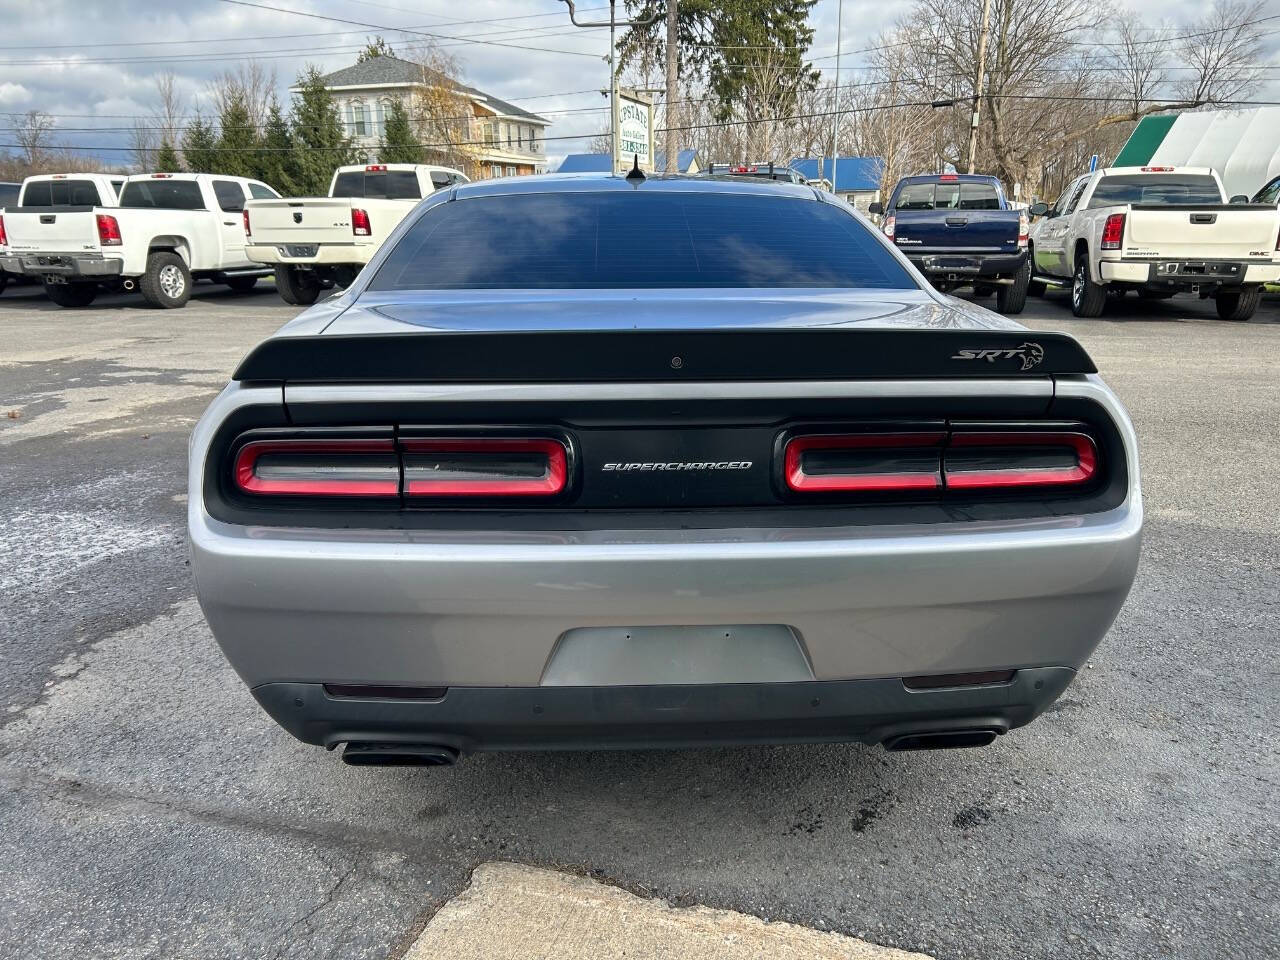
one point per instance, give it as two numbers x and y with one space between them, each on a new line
508 140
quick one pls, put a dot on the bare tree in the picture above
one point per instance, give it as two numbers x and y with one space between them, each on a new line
167 117
33 132
1225 49
249 82
142 145
1140 59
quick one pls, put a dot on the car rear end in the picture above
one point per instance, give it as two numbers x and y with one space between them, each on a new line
954 228
1171 230
60 233
508 520
337 230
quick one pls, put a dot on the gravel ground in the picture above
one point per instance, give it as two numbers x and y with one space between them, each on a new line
149 809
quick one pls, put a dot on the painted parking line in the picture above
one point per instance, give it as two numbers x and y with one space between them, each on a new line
514 911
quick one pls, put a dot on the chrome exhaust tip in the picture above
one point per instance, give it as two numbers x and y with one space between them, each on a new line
363 754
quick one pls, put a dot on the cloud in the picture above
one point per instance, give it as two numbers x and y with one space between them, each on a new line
13 94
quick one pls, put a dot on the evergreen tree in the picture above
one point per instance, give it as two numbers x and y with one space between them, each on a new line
278 163
200 146
166 159
320 143
377 47
237 148
399 145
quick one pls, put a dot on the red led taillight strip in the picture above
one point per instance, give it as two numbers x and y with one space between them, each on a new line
871 481
248 479
481 479
988 478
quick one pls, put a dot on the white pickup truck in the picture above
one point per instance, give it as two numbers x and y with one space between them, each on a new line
56 191
1159 231
168 230
320 242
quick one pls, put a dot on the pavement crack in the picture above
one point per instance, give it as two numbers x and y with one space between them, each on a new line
304 921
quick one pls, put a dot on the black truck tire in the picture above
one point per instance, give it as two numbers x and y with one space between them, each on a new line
167 281
1012 297
4 280
1238 305
297 287
1088 299
72 294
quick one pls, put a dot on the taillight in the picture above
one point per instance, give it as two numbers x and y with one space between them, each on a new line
1157 169
890 222
3 238
484 467
318 468
360 223
376 168
925 461
247 231
108 231
1024 229
987 460
1113 232
866 462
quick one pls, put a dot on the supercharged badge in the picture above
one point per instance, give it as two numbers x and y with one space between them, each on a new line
1031 354
678 465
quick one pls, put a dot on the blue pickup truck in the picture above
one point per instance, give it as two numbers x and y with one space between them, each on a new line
959 230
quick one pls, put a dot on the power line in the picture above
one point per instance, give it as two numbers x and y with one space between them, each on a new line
422 33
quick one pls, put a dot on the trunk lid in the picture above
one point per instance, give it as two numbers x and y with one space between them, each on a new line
311 221
988 231
1214 232
61 230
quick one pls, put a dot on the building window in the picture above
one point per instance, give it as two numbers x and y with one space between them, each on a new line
511 171
509 137
357 120
520 136
497 170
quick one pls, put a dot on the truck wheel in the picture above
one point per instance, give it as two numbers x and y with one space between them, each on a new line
1238 305
242 284
167 282
1087 297
71 294
1012 297
4 280
298 287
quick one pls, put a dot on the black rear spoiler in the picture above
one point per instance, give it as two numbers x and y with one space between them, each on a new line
658 355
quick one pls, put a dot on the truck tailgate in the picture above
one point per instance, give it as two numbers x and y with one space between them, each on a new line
309 221
61 230
994 231
1223 231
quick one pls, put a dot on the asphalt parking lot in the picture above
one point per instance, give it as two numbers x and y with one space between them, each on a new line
151 810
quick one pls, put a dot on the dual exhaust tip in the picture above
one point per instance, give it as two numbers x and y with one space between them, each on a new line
366 754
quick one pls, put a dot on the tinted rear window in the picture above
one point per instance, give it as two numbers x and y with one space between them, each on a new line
638 239
948 196
162 194
1174 189
8 194
61 193
379 185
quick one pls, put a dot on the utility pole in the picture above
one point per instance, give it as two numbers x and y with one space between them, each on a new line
977 89
613 24
673 59
835 127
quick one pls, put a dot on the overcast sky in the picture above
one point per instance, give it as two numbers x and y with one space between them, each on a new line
92 64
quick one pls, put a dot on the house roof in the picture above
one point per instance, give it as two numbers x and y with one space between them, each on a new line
853 174
600 163
377 70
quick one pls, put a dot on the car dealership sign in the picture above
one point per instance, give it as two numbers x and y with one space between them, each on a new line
635 129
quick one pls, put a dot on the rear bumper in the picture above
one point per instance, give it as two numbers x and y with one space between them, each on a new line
67 265
1187 273
323 254
961 265
566 718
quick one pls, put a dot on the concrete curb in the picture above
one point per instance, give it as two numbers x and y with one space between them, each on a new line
514 911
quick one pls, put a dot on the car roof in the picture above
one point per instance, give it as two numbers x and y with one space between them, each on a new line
602 182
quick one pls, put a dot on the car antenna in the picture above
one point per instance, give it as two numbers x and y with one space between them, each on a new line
636 173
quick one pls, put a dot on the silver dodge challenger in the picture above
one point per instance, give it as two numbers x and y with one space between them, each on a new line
650 462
